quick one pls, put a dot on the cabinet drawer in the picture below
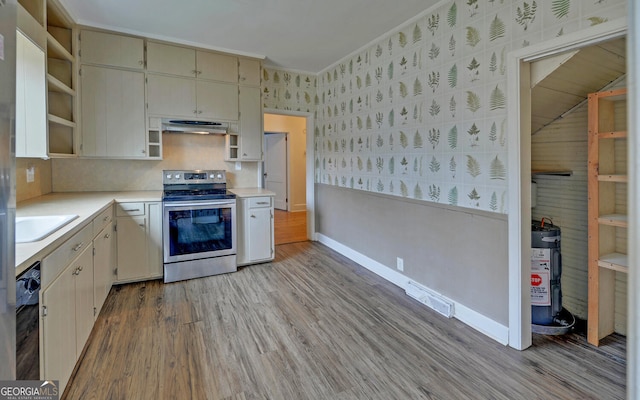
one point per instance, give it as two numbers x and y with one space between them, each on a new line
124 209
55 262
259 202
102 220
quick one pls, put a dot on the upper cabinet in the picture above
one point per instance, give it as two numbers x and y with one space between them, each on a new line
191 63
111 50
171 60
31 86
216 67
112 96
185 82
113 113
249 72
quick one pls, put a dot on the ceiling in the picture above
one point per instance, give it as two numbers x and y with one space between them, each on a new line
302 35
567 79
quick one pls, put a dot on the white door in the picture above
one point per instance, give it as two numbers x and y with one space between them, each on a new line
275 167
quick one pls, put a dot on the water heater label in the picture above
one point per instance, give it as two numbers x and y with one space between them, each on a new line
541 277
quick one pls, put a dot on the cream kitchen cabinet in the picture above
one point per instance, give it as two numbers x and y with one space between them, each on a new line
139 241
249 71
191 98
251 131
31 90
113 50
247 144
103 258
113 113
217 67
255 230
189 62
67 317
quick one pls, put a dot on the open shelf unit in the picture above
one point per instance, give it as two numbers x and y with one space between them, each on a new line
607 207
46 23
61 94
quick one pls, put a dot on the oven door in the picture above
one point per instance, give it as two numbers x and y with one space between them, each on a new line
198 229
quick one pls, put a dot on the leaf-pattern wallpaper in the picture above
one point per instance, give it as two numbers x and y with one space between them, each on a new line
421 113
287 90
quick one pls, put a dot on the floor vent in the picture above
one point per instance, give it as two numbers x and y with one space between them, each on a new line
430 299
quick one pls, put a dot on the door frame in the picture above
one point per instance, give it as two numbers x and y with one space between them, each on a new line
288 166
519 175
310 156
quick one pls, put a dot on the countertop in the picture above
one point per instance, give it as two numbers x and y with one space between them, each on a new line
251 192
86 205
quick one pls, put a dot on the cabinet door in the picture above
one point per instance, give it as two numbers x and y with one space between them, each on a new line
113 113
173 60
31 132
217 67
259 230
217 100
154 239
250 123
83 269
58 330
170 96
249 71
102 266
113 50
132 256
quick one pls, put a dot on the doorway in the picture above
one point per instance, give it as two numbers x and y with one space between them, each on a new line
519 218
276 168
289 173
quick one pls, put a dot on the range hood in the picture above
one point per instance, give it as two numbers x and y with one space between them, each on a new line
194 126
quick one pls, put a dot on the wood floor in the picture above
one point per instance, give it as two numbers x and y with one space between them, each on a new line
314 325
290 227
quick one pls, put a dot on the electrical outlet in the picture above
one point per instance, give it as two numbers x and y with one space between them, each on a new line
400 264
31 174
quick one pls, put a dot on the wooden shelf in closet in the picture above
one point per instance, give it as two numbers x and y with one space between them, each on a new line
607 208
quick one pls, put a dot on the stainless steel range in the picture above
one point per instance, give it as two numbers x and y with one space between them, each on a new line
199 224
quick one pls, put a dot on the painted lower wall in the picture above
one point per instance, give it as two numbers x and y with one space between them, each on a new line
459 253
296 127
180 151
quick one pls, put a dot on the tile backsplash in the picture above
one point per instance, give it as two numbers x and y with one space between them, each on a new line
41 178
180 151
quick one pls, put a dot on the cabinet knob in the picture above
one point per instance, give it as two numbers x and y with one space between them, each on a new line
107 236
78 246
253 216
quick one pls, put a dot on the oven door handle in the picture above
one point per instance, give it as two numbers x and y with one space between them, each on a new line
200 203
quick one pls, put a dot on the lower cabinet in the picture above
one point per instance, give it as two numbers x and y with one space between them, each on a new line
255 230
67 318
76 280
139 241
103 270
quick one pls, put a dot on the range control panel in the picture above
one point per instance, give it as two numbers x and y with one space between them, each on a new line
172 177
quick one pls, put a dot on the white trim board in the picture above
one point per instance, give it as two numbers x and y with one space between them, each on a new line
474 319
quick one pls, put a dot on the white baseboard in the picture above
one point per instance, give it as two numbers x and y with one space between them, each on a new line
477 321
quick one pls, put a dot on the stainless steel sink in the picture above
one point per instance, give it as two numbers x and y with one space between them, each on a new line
32 229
